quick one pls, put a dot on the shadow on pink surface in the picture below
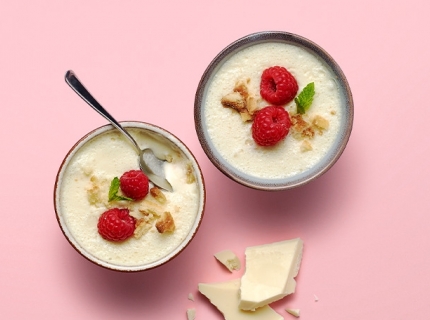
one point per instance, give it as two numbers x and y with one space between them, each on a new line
308 207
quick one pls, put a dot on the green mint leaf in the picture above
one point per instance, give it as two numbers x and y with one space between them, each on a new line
114 187
305 98
119 198
113 190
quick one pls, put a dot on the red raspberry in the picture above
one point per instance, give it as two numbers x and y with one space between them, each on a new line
271 125
134 184
116 224
278 86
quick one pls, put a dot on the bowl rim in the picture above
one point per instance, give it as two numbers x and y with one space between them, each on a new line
182 245
242 43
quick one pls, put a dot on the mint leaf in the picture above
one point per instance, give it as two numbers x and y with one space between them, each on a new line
113 190
305 98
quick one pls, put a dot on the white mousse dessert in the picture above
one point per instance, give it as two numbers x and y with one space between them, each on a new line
83 189
231 136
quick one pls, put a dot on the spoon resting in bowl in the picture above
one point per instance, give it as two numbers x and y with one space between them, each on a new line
149 163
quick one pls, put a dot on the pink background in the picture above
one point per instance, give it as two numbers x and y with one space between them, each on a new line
365 223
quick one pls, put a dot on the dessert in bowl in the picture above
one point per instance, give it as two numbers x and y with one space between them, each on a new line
88 186
273 111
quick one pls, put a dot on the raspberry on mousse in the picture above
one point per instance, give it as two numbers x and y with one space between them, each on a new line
116 224
271 125
278 86
134 184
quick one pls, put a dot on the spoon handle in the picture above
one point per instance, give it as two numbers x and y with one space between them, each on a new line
79 88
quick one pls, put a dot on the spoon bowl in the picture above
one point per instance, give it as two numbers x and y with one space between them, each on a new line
149 163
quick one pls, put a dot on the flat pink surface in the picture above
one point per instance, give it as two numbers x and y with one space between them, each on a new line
365 223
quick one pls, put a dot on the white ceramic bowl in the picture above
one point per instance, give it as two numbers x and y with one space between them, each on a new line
213 150
161 135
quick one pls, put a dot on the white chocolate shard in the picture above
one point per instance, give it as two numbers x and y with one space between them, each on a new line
270 273
294 312
228 259
225 297
191 314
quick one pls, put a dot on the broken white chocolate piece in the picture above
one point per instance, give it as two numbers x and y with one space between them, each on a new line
190 297
294 312
228 259
191 314
225 297
270 272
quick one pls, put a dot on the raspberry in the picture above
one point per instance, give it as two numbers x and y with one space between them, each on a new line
278 86
116 224
134 184
271 125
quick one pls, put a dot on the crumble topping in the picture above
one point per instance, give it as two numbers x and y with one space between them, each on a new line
142 227
165 223
96 191
305 129
190 174
158 195
241 100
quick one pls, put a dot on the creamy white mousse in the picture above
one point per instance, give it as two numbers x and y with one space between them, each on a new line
232 138
83 196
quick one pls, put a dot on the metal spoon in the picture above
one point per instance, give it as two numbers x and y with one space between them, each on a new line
149 163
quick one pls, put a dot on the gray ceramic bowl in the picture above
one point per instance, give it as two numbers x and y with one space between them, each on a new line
73 221
229 168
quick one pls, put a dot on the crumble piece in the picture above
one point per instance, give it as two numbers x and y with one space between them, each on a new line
158 195
165 223
234 101
308 133
190 174
306 146
149 214
251 105
320 123
241 100
97 191
241 86
300 127
142 227
298 123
